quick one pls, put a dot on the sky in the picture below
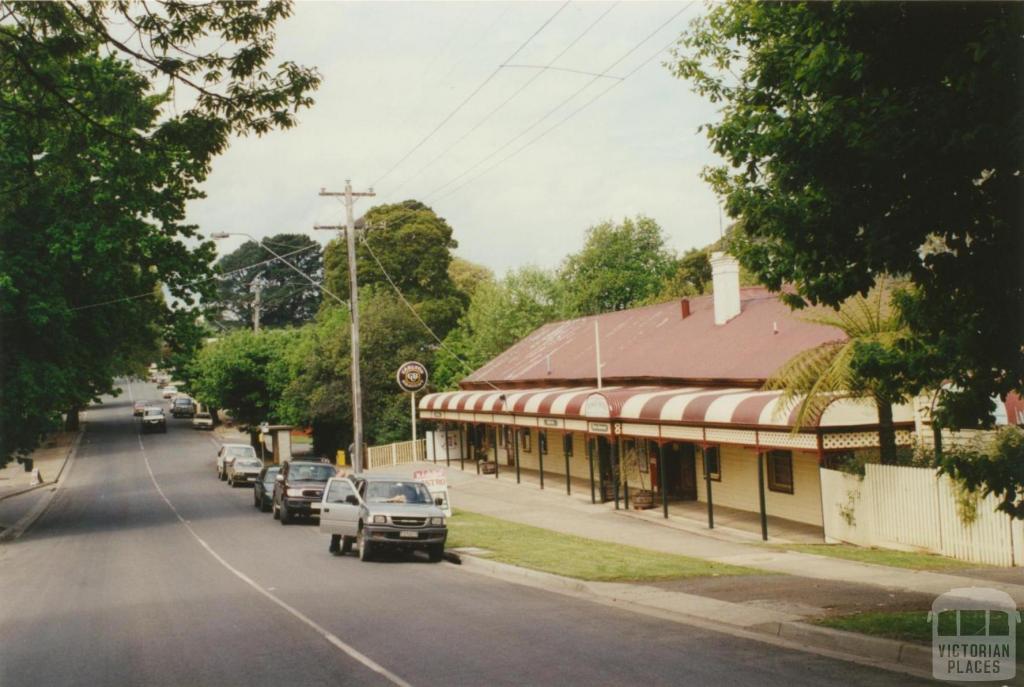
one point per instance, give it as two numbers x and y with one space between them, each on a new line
394 74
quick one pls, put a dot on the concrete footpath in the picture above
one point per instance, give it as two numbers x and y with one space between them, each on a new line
24 495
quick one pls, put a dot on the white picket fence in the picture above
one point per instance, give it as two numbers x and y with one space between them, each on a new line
396 454
915 509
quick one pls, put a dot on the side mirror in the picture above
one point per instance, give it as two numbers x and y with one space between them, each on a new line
439 501
351 499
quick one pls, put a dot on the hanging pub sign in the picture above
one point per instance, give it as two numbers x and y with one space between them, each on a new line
412 376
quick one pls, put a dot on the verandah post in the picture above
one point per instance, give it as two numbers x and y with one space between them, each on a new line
590 462
515 450
760 491
707 481
662 478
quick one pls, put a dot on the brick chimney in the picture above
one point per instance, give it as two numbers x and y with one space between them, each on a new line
725 280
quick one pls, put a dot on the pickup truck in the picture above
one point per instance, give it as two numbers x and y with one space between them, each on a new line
298 489
153 420
382 512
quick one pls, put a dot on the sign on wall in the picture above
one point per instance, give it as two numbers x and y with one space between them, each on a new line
412 376
436 480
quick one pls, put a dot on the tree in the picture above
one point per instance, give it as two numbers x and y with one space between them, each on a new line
691 277
414 246
857 366
879 138
95 172
499 315
285 297
993 464
619 266
467 276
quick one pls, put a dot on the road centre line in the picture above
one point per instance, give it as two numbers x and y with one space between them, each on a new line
322 631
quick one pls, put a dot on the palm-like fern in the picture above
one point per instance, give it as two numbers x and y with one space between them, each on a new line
814 378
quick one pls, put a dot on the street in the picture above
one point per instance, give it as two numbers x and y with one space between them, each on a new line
147 570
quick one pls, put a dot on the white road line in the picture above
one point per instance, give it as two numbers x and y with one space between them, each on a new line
323 632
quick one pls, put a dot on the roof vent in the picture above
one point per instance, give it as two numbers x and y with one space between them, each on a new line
725 279
684 306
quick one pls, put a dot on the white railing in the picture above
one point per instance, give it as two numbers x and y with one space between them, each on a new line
396 454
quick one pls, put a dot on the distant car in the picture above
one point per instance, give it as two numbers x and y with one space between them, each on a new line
243 471
263 488
227 453
139 408
382 512
170 391
183 407
298 488
202 421
153 420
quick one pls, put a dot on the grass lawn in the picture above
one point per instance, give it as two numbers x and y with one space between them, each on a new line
585 559
914 626
896 559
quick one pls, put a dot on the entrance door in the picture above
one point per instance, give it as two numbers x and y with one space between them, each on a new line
681 472
604 468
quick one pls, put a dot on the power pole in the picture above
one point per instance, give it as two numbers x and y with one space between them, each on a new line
257 286
353 300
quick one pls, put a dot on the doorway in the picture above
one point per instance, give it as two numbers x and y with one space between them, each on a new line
605 473
680 472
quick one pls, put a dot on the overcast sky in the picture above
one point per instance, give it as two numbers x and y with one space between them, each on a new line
392 72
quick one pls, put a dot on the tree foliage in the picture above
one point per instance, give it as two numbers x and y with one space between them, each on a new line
992 465
467 276
619 266
880 138
96 168
285 297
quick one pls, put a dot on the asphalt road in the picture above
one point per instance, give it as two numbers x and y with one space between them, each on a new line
147 570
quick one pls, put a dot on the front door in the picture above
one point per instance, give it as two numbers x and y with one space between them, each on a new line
337 515
605 468
680 472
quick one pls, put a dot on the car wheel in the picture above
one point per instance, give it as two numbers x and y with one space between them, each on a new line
255 499
346 545
435 553
286 517
365 547
335 546
264 506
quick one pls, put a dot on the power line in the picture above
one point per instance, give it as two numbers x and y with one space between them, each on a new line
468 98
507 100
564 102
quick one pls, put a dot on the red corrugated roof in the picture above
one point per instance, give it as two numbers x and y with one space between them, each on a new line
656 343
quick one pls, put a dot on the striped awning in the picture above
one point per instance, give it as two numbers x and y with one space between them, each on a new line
658 405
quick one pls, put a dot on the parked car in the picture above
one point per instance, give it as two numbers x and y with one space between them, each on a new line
298 488
227 453
139 408
183 407
243 471
382 512
170 391
263 488
153 420
202 421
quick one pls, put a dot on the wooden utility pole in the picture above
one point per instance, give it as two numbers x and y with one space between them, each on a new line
349 197
257 286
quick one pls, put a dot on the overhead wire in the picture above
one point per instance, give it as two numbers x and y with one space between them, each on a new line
466 100
507 100
562 104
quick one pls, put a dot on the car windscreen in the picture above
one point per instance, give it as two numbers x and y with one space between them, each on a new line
311 473
182 402
271 474
154 413
248 463
241 451
397 492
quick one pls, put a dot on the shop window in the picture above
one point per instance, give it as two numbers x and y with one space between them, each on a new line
542 442
713 463
567 443
780 471
527 441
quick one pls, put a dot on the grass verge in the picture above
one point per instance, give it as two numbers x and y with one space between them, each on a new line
571 556
913 626
896 559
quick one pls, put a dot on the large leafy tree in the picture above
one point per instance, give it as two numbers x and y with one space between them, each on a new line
871 138
285 297
96 167
619 266
414 247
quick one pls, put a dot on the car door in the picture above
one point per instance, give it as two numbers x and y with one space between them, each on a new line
338 513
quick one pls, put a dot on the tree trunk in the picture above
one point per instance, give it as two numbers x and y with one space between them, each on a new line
886 433
71 420
213 416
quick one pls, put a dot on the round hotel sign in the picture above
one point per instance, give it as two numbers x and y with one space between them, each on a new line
412 376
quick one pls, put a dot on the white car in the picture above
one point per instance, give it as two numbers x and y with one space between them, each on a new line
202 421
170 391
227 454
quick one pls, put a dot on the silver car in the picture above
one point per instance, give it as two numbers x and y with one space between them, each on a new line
243 471
382 512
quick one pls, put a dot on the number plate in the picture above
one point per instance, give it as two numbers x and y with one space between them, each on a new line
409 534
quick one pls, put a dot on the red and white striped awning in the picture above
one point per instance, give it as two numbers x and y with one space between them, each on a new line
651 404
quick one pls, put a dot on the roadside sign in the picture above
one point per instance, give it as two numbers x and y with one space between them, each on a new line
412 376
436 480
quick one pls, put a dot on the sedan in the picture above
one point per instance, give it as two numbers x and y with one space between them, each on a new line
243 471
263 488
154 421
139 408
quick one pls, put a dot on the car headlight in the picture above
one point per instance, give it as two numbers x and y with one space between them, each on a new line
294 492
380 519
437 521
